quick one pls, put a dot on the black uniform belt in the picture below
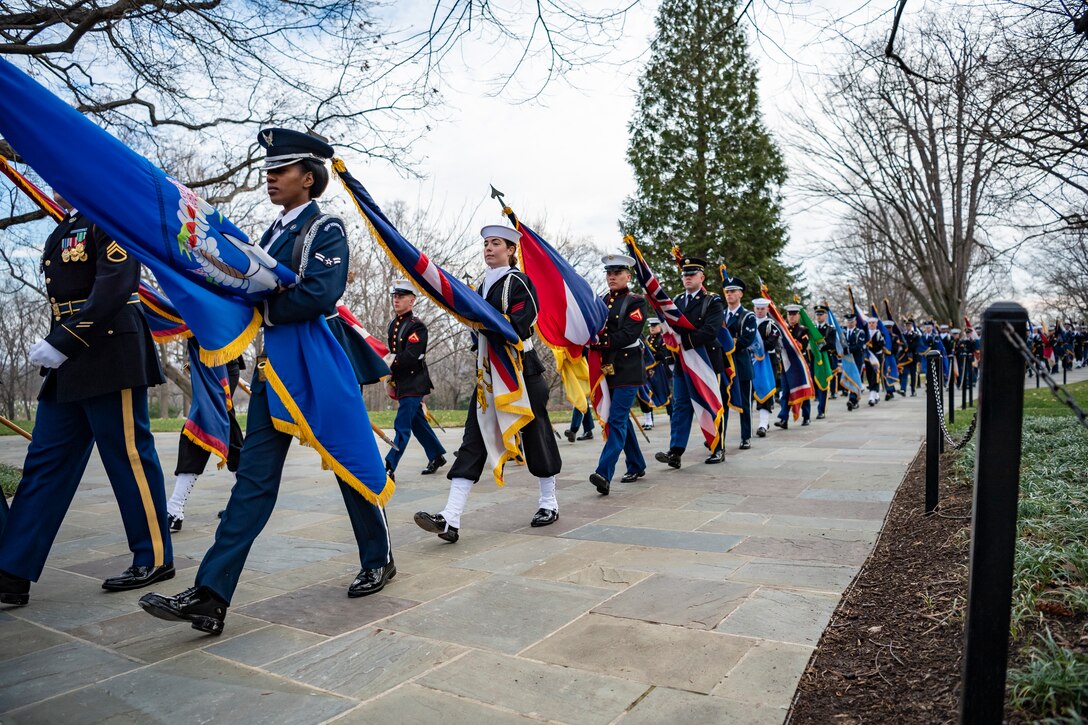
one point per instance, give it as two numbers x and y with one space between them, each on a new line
61 309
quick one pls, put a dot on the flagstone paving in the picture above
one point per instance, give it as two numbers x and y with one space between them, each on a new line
688 596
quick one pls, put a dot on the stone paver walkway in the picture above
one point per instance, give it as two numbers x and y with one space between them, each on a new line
691 596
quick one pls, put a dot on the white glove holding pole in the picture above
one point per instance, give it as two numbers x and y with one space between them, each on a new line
45 355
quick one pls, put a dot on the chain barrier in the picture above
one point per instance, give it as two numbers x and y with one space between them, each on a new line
952 442
1060 394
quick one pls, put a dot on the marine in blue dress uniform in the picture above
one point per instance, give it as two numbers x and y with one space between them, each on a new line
742 326
296 175
98 361
704 311
410 381
620 347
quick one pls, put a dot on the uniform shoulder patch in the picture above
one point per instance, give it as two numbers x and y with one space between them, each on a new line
414 337
636 314
115 253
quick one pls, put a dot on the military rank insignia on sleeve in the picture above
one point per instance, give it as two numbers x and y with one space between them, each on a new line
636 314
115 253
414 337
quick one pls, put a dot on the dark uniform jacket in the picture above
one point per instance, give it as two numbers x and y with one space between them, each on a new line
827 330
407 339
704 311
742 326
856 340
772 343
515 297
324 274
876 344
620 342
97 321
800 333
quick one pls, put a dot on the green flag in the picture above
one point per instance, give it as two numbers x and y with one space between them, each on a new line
821 367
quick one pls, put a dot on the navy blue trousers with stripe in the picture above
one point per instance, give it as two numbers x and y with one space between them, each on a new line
64 434
260 469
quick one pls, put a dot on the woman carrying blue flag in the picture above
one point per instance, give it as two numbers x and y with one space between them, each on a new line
511 293
315 246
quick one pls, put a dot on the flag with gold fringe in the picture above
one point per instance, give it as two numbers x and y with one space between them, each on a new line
209 270
795 370
703 382
502 404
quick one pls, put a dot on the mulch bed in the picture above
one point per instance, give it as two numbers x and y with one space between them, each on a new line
892 650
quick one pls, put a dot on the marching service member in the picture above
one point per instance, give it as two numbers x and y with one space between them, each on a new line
511 293
410 381
620 347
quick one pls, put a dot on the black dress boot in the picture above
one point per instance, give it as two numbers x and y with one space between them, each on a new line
197 605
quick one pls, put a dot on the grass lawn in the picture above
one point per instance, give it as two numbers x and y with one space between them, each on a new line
1048 668
9 478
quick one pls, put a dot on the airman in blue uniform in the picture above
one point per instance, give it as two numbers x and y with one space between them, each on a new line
98 361
316 247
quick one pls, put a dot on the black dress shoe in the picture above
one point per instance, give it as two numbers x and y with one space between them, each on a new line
745 444
436 524
872 403
197 605
544 517
804 422
173 522
587 436
631 477
671 459
784 425
820 416
717 457
761 432
371 581
434 464
14 590
570 435
136 577
600 482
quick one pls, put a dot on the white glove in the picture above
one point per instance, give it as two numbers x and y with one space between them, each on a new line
44 354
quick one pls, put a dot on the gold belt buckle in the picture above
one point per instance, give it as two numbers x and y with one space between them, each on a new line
56 310
608 369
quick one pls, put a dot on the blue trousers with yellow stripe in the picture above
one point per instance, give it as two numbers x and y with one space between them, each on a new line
260 469
64 434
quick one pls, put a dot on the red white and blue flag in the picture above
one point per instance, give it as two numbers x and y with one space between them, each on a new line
706 396
794 367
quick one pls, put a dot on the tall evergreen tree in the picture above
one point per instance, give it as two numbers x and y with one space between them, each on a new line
709 174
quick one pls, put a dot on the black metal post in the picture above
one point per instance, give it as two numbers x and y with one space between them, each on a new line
951 407
1065 372
933 429
971 390
964 378
993 522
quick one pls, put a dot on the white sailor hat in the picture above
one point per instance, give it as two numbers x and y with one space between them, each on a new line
955 330
402 287
887 323
617 262
761 302
653 321
793 308
944 327
511 235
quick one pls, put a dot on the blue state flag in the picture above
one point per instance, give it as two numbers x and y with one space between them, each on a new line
211 273
850 376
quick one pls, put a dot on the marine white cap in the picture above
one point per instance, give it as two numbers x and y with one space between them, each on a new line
617 261
402 286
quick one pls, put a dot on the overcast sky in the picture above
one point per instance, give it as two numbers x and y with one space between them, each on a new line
563 155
